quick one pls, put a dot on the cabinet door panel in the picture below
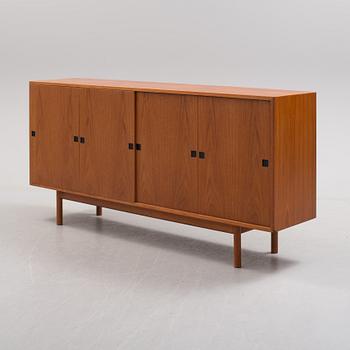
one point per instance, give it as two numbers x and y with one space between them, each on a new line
54 157
236 135
166 128
107 125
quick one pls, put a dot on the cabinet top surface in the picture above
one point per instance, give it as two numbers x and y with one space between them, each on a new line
175 88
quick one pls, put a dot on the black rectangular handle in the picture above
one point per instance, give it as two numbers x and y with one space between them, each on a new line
201 155
76 138
82 139
130 145
193 154
138 147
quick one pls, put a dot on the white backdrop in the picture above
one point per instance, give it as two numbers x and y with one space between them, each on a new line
300 44
129 282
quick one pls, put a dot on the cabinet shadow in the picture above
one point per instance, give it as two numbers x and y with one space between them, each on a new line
196 248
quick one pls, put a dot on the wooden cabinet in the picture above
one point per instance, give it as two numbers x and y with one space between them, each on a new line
225 158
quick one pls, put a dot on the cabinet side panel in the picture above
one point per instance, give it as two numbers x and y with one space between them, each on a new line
295 160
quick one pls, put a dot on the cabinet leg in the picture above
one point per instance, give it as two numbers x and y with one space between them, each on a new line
98 211
237 249
59 208
274 242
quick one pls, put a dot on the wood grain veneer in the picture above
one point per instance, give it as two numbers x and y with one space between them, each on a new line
166 128
54 117
174 88
236 135
107 166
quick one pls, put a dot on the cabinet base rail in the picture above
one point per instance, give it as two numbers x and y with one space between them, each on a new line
171 215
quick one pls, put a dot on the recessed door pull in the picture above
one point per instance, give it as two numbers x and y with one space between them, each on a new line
76 138
33 133
138 147
82 139
193 154
201 155
131 146
265 163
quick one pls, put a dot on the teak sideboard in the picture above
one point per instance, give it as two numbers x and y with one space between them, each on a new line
224 158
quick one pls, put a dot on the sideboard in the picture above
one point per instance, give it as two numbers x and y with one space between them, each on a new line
225 158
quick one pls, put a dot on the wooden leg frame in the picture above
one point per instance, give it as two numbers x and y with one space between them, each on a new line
59 208
237 249
98 211
274 242
237 260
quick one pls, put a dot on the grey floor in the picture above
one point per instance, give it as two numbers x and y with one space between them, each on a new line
128 282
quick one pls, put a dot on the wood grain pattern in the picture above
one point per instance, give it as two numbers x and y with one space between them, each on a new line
107 124
295 160
167 131
161 213
54 116
175 88
235 136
